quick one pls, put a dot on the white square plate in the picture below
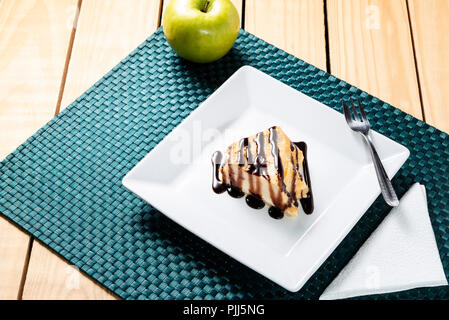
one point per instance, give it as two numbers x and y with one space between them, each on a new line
175 177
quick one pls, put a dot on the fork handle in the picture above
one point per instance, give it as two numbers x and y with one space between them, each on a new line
386 187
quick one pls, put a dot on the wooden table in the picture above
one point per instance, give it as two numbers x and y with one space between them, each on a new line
51 51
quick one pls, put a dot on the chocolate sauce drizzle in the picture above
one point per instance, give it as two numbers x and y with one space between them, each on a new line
259 167
275 150
217 185
254 202
275 213
307 201
277 160
240 156
235 192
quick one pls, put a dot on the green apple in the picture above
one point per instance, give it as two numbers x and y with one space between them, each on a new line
199 30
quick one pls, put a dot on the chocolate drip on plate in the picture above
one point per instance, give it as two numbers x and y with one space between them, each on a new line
275 213
254 202
217 185
235 192
307 201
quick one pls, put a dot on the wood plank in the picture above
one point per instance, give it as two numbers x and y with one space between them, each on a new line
107 31
239 6
370 47
296 26
13 255
430 26
49 277
237 3
34 36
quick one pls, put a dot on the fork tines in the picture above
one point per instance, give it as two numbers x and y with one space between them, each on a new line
348 115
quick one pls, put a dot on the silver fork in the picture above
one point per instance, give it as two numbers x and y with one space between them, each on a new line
362 126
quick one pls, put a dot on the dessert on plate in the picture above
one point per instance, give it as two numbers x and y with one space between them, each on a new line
266 167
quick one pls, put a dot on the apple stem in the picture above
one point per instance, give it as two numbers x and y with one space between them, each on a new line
205 6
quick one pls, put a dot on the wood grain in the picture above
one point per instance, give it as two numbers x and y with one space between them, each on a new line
13 255
34 36
370 47
237 3
297 26
50 277
430 26
107 31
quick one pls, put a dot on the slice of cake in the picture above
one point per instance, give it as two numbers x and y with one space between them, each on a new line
267 166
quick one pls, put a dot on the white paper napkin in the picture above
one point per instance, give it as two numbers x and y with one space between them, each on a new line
401 254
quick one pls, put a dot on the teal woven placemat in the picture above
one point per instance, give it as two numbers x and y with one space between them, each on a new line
63 185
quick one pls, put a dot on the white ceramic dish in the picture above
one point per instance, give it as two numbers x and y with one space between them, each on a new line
175 177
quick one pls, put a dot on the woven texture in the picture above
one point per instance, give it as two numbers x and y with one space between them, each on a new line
63 185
